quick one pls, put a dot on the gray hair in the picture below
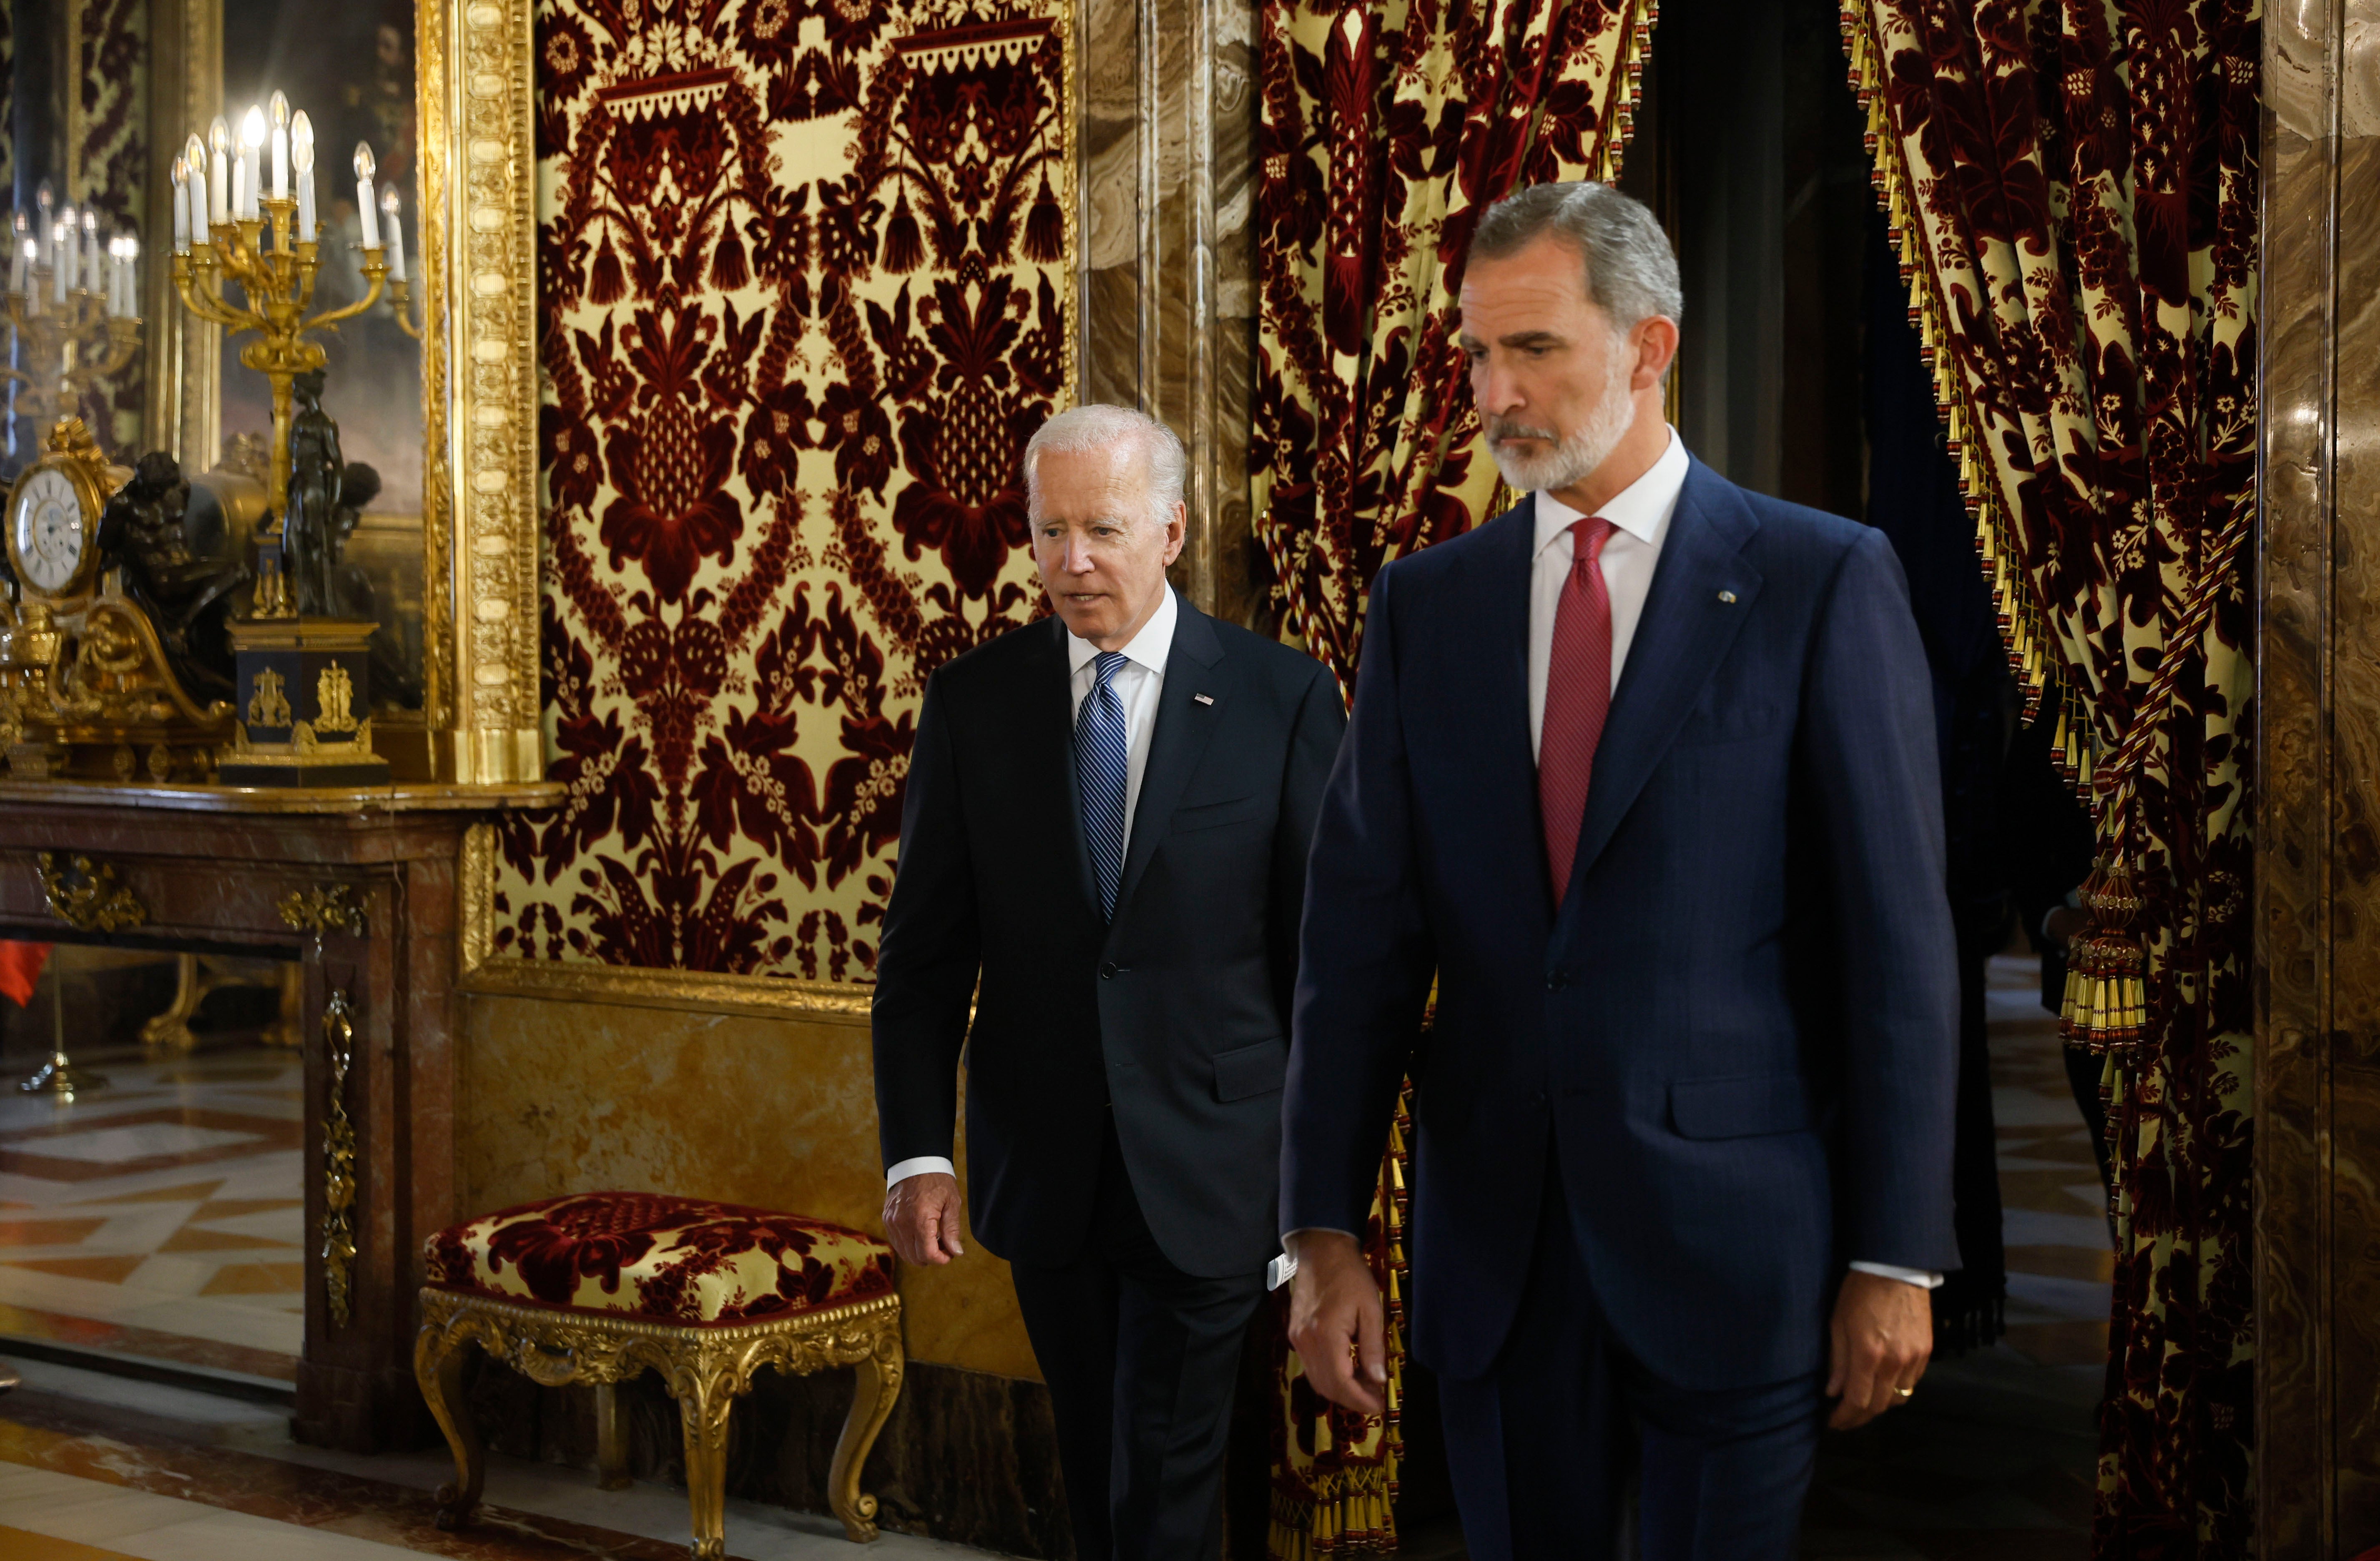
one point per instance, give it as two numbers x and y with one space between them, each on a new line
1632 274
1099 427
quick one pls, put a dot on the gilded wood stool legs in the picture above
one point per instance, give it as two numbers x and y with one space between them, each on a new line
611 1441
438 1367
706 1369
877 1386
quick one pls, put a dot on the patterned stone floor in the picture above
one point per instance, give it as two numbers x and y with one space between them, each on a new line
160 1216
99 1469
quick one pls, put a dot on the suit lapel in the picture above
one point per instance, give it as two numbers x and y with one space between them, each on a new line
1046 737
1494 601
1179 739
1680 639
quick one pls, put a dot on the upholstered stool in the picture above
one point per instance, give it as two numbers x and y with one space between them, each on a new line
600 1287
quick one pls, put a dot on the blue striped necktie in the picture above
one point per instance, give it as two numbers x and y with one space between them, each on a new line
1102 758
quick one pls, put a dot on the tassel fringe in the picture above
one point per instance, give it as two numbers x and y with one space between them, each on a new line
2030 650
2107 989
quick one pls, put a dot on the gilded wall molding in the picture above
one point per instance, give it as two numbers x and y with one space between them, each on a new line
477 69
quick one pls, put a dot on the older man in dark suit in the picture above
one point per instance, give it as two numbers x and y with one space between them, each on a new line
1644 772
1106 823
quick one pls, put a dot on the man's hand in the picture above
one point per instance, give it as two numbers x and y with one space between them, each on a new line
1335 1320
1883 1335
922 1215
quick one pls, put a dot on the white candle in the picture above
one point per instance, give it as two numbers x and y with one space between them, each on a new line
92 282
181 207
388 208
19 258
219 186
30 250
194 161
62 257
301 148
365 208
43 229
280 115
131 277
251 155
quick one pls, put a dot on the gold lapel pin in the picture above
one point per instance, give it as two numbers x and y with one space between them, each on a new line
1728 597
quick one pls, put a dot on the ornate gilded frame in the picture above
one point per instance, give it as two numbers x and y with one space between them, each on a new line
477 266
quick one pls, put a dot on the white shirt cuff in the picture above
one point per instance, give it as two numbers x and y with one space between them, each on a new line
918 1166
1916 1276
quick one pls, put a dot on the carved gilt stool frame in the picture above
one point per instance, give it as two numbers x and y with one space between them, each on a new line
707 1368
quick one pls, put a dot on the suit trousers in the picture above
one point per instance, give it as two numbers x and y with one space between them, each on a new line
1544 1449
1141 1360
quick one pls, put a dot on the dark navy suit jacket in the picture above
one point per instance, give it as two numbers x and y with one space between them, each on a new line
1738 1028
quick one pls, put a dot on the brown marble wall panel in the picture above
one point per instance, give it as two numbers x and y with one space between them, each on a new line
2293 839
2318 837
561 1097
2354 690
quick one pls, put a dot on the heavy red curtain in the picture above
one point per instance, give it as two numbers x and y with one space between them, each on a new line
2073 188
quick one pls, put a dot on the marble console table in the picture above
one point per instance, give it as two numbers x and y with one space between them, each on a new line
370 877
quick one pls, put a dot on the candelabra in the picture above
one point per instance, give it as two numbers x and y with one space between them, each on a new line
279 287
65 347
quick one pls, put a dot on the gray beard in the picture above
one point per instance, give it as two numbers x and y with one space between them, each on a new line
1575 457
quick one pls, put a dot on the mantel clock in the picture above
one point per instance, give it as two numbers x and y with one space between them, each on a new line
53 511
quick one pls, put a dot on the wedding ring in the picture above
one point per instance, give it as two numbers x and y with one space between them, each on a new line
1905 1392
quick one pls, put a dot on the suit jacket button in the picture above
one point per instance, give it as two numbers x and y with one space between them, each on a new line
1107 969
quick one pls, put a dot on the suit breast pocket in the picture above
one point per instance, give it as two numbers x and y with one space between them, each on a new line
1214 815
1721 721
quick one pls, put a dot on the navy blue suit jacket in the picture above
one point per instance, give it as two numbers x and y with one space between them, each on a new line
1738 1028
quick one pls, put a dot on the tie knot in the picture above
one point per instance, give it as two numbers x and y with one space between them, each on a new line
1107 663
1587 537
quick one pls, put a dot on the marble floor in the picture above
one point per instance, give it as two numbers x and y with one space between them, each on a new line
95 1468
160 1216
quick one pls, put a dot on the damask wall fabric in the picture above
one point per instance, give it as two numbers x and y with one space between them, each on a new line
2074 191
110 155
1384 130
805 275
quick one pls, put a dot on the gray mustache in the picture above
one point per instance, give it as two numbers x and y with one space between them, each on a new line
1499 430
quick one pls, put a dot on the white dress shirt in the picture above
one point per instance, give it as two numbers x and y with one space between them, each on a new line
1639 521
1136 683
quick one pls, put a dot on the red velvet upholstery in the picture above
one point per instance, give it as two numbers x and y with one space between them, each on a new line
672 1260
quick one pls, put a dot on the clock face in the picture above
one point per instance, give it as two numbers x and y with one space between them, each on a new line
48 529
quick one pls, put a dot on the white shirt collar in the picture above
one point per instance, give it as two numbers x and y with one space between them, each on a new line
1148 648
1640 509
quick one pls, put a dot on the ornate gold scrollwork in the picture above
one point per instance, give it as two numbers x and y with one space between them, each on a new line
334 701
706 1370
268 706
339 1161
326 908
85 895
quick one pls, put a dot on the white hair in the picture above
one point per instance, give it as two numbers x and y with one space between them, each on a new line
1099 427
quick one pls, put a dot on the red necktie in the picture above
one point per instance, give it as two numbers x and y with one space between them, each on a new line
1578 697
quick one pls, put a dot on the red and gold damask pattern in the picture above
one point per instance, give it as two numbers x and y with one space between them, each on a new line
1384 132
111 167
805 278
2074 188
672 1260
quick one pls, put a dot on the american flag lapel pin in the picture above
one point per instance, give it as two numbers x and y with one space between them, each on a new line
1202 699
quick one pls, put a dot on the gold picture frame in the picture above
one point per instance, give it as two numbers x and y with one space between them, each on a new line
477 274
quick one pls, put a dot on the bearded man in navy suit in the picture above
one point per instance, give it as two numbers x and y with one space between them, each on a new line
1642 772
